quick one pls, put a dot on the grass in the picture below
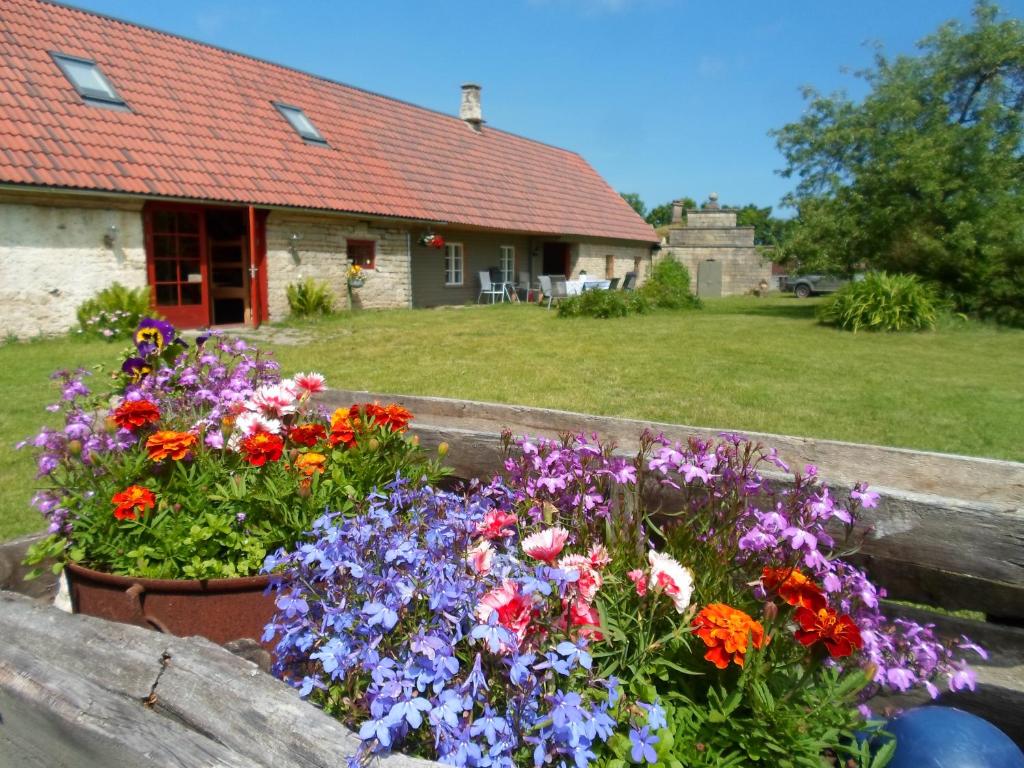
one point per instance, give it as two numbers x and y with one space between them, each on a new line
740 363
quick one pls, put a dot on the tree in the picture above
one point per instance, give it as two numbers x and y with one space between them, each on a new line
635 202
924 175
661 215
768 230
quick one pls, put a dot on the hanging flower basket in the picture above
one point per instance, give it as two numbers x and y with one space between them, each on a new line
432 241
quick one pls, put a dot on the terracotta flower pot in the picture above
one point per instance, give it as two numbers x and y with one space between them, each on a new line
220 610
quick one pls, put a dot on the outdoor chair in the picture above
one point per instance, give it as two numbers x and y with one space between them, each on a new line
629 284
545 285
487 288
613 284
558 291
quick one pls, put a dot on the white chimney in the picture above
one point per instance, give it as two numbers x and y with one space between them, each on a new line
469 109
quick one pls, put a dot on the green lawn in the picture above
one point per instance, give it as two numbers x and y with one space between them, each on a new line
743 363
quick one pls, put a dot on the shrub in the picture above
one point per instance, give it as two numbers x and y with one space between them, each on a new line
113 313
669 286
603 304
882 302
310 297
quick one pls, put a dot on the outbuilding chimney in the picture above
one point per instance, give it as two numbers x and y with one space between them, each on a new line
469 109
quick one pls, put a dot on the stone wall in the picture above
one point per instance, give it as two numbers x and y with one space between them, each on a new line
53 258
593 258
320 253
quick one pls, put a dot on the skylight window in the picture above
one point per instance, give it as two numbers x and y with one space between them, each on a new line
302 124
91 84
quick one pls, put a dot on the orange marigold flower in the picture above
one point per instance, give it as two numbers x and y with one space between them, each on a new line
396 417
133 499
311 463
839 633
793 587
342 430
307 434
392 416
726 632
132 414
261 447
167 443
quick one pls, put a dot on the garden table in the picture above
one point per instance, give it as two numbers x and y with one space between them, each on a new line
576 287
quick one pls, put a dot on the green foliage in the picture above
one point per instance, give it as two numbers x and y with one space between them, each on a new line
881 302
604 304
660 215
669 286
924 174
310 297
113 313
635 202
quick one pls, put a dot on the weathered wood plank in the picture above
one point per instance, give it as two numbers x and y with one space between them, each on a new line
960 477
82 692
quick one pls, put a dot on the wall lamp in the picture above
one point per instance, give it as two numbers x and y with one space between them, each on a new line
293 245
111 235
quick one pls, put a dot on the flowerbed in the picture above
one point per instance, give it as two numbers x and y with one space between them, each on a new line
197 461
551 617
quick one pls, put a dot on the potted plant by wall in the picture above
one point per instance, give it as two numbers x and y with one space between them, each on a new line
166 487
356 276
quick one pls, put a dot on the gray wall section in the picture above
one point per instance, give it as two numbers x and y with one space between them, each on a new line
480 250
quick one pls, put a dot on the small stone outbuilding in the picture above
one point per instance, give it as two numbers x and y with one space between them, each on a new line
721 256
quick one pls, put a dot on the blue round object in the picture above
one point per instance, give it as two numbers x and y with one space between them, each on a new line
944 737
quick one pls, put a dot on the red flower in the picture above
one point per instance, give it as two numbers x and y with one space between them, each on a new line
261 447
307 434
726 632
583 614
392 416
133 499
495 524
514 609
169 444
132 414
839 633
342 429
793 587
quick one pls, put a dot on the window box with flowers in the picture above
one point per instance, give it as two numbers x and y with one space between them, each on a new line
177 480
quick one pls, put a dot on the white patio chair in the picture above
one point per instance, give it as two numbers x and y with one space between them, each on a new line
558 291
487 288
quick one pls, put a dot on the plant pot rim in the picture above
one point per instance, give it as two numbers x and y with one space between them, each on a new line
235 584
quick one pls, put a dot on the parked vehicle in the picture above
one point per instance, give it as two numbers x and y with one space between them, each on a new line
811 285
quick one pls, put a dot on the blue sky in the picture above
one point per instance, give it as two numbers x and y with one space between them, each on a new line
663 97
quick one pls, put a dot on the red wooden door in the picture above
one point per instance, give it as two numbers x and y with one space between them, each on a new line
176 262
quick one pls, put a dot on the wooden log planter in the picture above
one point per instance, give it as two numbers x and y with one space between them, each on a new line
78 691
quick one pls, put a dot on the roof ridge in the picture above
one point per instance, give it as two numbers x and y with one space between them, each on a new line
285 67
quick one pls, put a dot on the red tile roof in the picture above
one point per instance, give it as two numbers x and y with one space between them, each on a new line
202 125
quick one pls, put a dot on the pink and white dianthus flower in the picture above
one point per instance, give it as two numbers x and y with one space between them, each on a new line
586 617
545 545
310 383
599 557
639 579
671 578
589 577
273 401
480 556
495 524
249 423
514 609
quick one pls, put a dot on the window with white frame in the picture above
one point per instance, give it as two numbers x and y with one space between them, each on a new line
508 264
453 264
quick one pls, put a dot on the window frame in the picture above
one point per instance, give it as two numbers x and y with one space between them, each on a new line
373 253
450 256
507 251
310 138
110 97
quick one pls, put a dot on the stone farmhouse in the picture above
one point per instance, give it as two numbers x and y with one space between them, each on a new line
135 156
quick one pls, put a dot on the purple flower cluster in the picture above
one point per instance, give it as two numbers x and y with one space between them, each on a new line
575 475
197 388
792 527
379 620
